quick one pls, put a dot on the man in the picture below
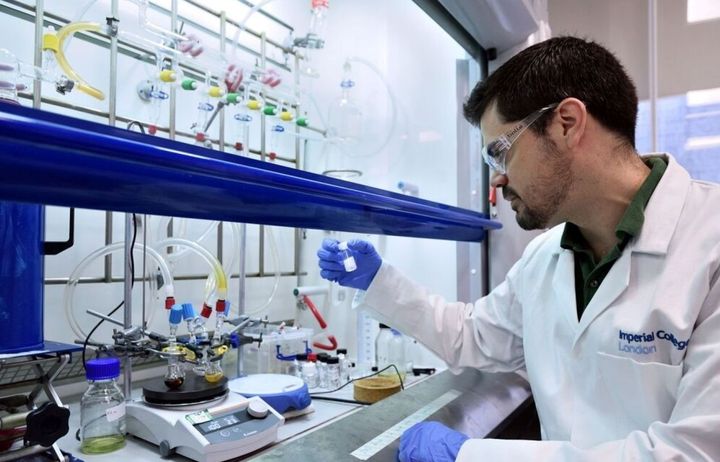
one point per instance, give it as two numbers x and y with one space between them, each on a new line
614 312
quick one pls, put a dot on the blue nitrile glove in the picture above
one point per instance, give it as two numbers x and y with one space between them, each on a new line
367 259
430 442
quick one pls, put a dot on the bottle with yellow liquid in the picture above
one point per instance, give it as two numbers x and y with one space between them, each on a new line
102 408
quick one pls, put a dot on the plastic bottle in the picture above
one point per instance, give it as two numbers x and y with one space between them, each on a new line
390 349
102 408
397 354
333 373
382 345
348 259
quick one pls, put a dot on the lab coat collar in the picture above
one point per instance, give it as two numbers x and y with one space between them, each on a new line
662 213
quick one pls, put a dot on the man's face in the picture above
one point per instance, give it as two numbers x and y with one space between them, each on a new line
538 177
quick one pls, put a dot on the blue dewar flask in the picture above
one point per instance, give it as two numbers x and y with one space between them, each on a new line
21 277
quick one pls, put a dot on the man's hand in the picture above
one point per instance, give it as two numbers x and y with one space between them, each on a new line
330 260
430 442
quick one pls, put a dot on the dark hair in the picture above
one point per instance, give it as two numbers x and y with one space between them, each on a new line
551 71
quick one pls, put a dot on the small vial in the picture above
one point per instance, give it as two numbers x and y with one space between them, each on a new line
348 259
345 364
309 374
321 366
333 373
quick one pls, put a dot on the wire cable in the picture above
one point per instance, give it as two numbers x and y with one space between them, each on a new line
132 283
402 385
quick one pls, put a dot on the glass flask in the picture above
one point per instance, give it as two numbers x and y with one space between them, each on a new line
175 376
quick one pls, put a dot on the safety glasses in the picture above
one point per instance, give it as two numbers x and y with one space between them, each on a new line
495 152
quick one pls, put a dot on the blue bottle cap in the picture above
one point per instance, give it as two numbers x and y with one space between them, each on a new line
176 314
102 369
188 311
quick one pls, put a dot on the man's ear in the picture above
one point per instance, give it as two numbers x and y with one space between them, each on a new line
572 115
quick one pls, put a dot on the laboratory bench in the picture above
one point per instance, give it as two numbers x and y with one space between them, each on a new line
475 403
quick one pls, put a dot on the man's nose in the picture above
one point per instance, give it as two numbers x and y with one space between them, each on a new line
498 180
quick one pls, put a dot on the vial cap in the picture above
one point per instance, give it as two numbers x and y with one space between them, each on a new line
102 369
301 357
343 245
342 351
188 311
176 314
333 360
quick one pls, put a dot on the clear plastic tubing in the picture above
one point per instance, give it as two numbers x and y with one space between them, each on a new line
207 256
101 252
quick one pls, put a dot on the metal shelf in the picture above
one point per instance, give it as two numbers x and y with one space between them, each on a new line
53 159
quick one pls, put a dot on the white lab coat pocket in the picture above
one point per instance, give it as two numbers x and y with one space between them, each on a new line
629 395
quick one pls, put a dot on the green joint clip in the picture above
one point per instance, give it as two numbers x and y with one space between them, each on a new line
189 84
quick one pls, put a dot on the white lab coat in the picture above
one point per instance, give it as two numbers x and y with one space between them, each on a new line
614 386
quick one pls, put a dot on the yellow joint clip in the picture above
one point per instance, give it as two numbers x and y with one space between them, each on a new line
286 116
215 92
168 75
50 42
254 105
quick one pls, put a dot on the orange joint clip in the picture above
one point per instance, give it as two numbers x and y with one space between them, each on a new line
492 199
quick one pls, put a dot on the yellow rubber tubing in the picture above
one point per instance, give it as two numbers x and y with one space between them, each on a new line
64 33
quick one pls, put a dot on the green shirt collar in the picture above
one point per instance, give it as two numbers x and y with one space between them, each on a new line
634 216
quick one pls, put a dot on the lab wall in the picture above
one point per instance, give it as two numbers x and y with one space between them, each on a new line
403 68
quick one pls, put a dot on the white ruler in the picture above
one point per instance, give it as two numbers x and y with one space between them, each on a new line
378 443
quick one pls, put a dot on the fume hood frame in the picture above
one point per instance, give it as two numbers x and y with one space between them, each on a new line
53 159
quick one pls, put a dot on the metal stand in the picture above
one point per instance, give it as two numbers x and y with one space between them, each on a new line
38 369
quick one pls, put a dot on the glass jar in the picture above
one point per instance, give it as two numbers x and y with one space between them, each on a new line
309 374
102 408
333 373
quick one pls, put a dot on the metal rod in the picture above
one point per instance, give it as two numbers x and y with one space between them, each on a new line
38 56
239 365
184 277
269 16
221 132
220 242
127 311
104 317
263 135
300 165
108 240
172 119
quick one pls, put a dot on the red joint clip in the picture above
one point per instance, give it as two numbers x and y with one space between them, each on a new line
169 302
152 129
206 311
238 146
220 306
315 311
331 347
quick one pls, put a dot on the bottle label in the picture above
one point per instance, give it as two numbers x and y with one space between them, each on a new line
116 412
